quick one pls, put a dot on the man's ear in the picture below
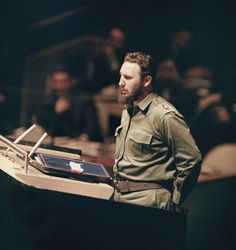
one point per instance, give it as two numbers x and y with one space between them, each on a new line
147 81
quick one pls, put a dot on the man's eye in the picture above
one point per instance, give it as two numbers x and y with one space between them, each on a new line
127 77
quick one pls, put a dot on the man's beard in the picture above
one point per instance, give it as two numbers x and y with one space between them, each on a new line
131 98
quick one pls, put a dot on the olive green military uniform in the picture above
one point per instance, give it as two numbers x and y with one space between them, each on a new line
154 146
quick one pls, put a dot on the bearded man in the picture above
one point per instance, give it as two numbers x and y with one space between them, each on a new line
157 160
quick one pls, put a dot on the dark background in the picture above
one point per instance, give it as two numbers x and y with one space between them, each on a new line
148 25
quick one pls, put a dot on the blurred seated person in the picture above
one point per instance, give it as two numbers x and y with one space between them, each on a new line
169 85
200 79
229 96
211 122
117 39
93 64
65 111
182 50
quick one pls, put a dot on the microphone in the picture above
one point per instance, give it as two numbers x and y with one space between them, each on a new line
37 144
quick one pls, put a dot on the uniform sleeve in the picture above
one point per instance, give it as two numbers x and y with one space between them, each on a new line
186 154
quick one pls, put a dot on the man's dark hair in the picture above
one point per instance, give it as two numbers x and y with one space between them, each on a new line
63 69
145 61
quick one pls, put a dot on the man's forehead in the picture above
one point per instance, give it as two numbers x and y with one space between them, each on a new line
129 67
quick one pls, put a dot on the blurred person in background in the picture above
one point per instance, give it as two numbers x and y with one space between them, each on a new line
181 50
117 39
97 60
229 96
211 121
67 111
115 48
170 85
93 64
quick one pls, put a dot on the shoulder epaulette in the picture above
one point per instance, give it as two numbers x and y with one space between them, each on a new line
164 105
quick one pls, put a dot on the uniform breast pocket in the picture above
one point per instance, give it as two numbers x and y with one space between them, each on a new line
138 143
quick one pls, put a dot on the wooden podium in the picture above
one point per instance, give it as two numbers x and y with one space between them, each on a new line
38 211
33 218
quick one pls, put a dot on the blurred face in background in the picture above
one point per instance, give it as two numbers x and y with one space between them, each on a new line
117 37
167 70
182 39
61 82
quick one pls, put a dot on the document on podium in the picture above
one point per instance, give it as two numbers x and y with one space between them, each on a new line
72 168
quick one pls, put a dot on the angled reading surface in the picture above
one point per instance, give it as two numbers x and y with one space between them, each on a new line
69 167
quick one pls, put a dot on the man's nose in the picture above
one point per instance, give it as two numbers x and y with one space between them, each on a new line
121 82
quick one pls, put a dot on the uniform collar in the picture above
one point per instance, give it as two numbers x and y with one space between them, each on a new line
144 104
